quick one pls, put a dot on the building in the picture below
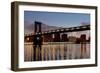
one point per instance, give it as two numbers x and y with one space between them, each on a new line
64 38
72 39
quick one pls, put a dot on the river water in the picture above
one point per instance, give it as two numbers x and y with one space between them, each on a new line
58 51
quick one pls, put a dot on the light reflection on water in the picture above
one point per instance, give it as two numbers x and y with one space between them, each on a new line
58 51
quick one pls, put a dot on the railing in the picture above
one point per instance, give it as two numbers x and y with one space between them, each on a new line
58 51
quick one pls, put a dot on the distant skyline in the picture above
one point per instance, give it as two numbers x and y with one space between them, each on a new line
56 18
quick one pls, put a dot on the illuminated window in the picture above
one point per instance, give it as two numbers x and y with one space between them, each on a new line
27 39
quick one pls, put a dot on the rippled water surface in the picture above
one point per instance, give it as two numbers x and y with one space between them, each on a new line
58 51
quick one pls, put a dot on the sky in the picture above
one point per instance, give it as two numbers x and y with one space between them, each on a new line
57 18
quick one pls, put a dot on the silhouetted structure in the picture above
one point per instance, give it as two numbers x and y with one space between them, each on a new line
37 41
30 37
83 38
64 38
57 37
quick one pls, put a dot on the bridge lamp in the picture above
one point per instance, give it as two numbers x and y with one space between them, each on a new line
84 27
37 38
42 32
46 32
39 33
67 29
72 28
77 27
62 29
49 31
27 39
53 31
58 30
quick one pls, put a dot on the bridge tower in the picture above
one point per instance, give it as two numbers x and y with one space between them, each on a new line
37 27
37 41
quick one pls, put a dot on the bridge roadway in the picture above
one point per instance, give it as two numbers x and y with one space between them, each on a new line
70 29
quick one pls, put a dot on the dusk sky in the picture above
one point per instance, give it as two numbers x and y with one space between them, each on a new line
57 18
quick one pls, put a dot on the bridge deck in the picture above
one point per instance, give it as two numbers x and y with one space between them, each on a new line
70 29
